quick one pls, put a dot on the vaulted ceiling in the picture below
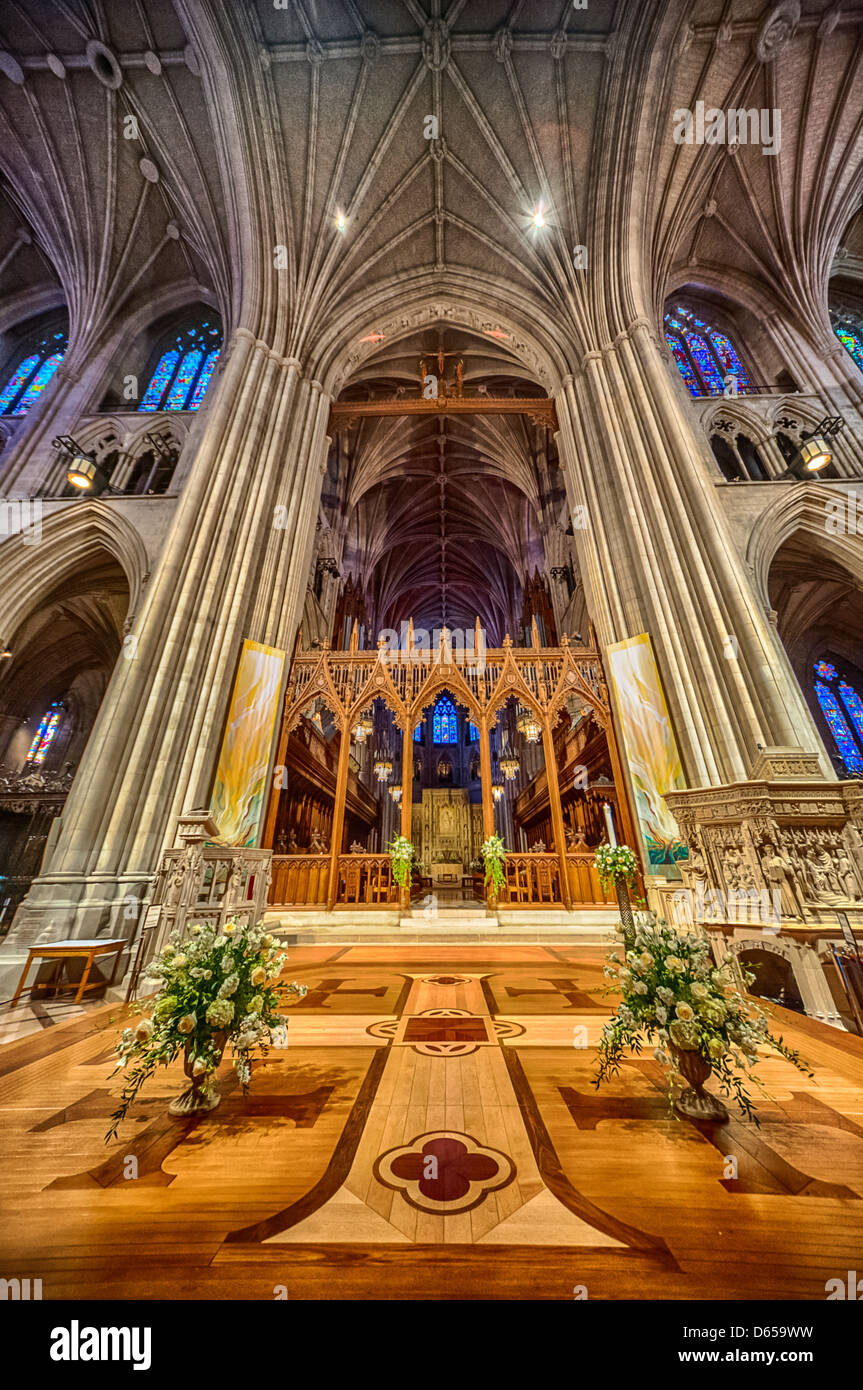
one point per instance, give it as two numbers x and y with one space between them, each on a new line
318 169
162 143
445 515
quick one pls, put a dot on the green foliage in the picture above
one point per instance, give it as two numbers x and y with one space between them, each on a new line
673 995
212 982
401 853
494 858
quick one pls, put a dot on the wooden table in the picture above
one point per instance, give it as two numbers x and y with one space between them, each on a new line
73 950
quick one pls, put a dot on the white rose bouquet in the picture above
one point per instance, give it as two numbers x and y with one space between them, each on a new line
214 986
675 997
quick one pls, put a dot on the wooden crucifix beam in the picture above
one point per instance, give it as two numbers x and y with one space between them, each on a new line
540 409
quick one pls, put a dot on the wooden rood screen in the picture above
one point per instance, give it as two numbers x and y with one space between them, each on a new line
409 681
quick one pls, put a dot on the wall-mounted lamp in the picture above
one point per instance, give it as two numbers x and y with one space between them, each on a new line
82 471
815 452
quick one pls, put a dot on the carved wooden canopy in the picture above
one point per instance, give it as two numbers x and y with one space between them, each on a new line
481 679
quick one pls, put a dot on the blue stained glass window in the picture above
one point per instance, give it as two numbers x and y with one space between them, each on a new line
704 362
18 381
418 734
45 735
182 383
854 705
703 355
833 693
683 365
729 360
853 343
38 383
32 374
848 327
204 379
161 376
184 370
444 721
472 732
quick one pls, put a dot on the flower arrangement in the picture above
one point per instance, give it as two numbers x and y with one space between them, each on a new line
214 986
616 864
494 858
674 996
401 853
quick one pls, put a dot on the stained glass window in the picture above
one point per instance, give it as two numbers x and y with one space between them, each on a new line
854 705
444 721
184 370
472 733
32 375
161 376
843 710
45 736
203 379
848 327
37 383
703 356
418 734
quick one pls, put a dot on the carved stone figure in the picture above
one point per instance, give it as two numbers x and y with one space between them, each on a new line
778 870
847 876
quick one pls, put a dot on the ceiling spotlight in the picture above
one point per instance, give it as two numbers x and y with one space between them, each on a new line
539 216
341 221
5 653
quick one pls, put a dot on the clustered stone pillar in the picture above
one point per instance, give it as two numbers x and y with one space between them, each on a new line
656 556
234 566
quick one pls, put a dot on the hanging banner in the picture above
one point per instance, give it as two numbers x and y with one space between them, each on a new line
239 794
650 749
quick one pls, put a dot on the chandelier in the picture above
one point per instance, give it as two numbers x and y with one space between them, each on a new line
383 768
363 727
509 766
396 794
497 791
526 724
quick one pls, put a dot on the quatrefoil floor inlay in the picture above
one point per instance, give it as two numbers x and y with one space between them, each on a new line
444 1171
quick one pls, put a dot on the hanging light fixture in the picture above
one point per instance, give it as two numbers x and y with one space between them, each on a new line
396 794
363 728
383 767
497 791
509 766
526 723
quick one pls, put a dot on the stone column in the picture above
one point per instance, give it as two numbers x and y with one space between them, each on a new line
656 556
233 566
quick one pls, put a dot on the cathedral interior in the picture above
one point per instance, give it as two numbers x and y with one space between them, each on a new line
431 456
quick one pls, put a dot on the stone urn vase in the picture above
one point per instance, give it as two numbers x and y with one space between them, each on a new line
200 1096
695 1103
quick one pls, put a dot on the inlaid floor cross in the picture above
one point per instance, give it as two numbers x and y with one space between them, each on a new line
575 997
317 997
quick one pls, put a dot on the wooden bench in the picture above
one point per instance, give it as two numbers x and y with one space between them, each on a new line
72 950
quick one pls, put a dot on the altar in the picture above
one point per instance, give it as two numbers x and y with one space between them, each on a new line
449 834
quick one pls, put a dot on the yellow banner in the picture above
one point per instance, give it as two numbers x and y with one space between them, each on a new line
649 747
239 795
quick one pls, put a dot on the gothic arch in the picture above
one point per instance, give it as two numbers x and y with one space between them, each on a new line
29 573
799 509
477 303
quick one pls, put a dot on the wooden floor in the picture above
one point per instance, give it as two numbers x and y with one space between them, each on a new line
481 1059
